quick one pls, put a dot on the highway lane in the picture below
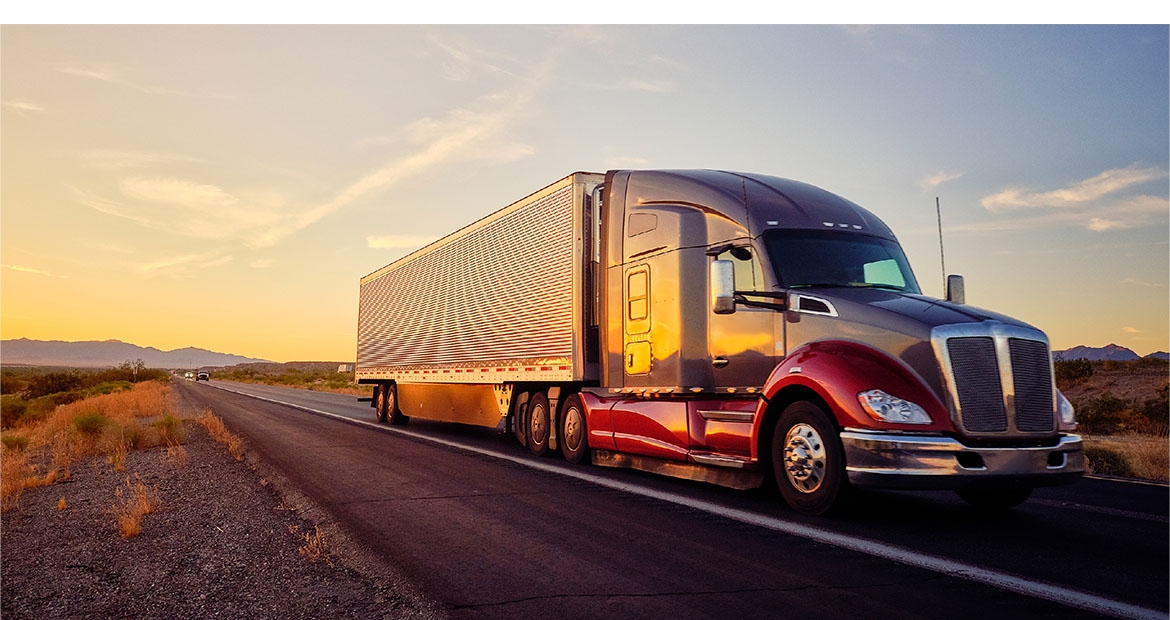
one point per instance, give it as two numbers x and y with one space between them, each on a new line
1105 540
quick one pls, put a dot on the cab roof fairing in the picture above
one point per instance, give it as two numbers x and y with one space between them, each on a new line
755 200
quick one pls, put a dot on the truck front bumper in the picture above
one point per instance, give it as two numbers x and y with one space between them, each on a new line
877 459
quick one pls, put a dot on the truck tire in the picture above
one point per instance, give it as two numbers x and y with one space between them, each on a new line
538 421
393 414
574 437
380 402
994 498
808 460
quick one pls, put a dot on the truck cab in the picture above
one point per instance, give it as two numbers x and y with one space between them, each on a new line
753 325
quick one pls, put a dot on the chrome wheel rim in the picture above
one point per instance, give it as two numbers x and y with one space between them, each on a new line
538 425
573 429
804 458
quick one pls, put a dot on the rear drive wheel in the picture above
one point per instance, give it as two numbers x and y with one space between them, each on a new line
538 420
808 460
574 437
994 498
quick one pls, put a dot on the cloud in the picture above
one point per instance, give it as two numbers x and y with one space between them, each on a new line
109 159
398 242
182 266
1138 282
1104 184
934 181
1130 330
22 107
1108 201
34 270
192 209
115 76
480 132
261 263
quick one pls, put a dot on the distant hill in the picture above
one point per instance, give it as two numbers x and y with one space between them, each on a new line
1113 352
109 353
1158 355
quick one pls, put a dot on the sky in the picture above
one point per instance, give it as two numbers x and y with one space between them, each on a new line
226 187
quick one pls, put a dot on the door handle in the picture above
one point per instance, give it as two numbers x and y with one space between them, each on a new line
720 362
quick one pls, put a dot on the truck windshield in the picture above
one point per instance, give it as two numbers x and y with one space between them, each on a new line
814 258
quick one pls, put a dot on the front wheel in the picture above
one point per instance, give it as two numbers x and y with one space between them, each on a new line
808 460
993 498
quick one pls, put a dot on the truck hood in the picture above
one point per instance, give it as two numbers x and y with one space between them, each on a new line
897 323
902 312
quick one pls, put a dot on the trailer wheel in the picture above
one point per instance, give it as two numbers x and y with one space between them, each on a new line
538 420
380 402
393 415
574 437
808 460
992 498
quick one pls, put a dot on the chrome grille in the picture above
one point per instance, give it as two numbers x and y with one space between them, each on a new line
977 380
1031 373
999 378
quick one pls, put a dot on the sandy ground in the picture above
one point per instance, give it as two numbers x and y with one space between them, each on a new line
224 543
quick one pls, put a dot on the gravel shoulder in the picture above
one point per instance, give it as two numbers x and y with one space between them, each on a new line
225 541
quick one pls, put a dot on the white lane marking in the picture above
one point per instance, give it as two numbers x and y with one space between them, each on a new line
902 555
1148 483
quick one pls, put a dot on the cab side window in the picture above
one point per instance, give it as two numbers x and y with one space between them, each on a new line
747 269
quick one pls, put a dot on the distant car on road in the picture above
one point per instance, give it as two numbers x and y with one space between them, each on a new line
189 376
203 376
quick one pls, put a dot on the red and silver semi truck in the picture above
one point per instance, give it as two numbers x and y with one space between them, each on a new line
726 327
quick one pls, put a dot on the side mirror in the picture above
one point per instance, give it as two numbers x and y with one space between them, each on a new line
955 290
723 287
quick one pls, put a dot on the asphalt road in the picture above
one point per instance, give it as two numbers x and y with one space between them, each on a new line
493 532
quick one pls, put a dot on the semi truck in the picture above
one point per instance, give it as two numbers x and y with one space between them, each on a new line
739 329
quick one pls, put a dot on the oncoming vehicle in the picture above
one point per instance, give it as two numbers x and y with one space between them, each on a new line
203 376
189 375
718 326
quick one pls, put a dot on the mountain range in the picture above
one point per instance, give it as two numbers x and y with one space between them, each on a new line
1109 352
110 353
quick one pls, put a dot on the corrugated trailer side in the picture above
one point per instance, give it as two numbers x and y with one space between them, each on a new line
499 301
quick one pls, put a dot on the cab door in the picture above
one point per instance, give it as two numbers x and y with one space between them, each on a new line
743 345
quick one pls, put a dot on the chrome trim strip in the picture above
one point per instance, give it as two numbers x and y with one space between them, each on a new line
718 461
794 303
727 416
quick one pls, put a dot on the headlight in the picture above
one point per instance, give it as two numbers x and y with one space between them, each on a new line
1068 418
882 406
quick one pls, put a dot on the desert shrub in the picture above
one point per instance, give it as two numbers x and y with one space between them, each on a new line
109 387
14 442
1154 414
170 430
1104 415
12 409
1106 462
52 383
90 423
1071 371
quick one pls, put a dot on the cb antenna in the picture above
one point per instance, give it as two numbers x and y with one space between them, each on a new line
942 255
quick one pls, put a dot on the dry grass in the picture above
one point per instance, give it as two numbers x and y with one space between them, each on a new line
315 548
131 504
61 505
1129 456
109 424
221 434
